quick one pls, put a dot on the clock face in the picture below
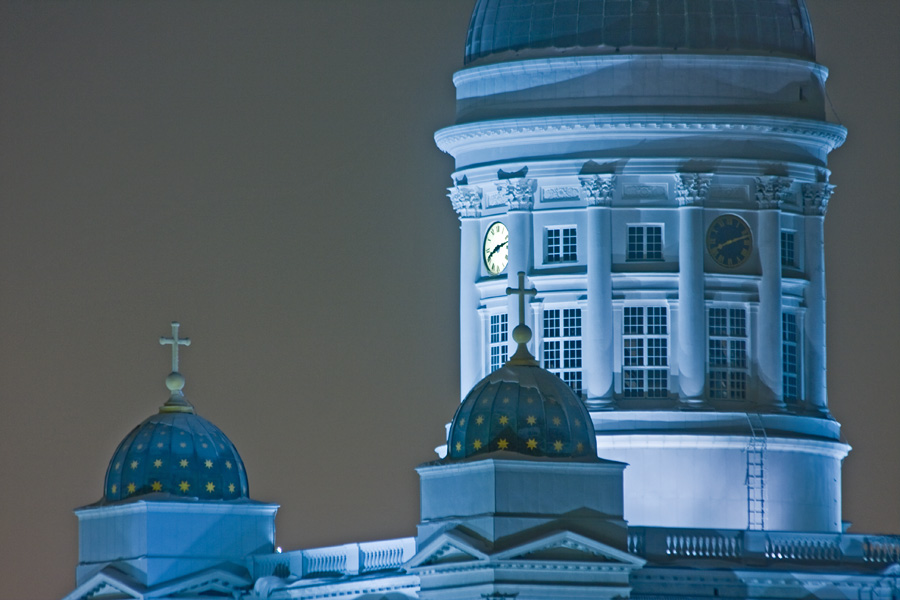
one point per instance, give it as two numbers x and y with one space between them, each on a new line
496 248
728 241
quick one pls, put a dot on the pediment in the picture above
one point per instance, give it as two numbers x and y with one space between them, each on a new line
570 547
448 547
108 584
216 582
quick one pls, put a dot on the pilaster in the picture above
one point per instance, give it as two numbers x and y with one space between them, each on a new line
691 190
467 202
771 192
598 335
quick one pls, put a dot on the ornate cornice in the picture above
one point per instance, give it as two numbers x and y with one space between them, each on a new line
466 200
517 193
816 197
598 189
692 189
460 138
771 192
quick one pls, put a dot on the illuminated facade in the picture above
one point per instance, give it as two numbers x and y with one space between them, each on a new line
657 173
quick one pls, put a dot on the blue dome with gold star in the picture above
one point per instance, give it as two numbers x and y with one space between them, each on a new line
179 454
524 409
176 453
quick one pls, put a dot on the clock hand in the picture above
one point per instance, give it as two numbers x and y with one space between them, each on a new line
737 239
497 249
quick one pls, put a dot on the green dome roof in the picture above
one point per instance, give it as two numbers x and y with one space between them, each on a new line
178 454
524 409
777 27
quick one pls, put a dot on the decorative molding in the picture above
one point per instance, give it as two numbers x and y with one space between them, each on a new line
466 200
457 137
644 191
771 192
560 192
598 189
692 189
729 192
816 197
517 193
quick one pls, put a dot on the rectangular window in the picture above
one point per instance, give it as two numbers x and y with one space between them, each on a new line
790 358
498 341
788 256
728 353
644 242
645 352
561 245
561 348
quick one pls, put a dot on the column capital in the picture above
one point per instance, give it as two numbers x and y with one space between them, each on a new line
772 191
692 189
598 189
466 200
517 192
816 197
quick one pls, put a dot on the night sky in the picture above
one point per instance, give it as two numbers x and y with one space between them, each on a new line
265 173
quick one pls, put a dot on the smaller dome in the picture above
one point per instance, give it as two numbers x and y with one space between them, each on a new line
524 409
179 454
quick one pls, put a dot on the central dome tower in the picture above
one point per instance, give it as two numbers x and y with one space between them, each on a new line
658 169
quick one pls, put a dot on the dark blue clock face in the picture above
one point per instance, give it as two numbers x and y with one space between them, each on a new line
728 241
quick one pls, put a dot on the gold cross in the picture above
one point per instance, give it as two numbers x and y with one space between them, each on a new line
521 292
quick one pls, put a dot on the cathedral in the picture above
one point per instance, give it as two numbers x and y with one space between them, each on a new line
641 187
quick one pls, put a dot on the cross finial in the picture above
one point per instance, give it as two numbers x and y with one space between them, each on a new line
522 333
174 342
175 380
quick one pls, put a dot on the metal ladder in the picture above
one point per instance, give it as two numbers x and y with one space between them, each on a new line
756 473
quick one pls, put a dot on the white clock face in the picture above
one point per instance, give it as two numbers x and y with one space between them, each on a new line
496 248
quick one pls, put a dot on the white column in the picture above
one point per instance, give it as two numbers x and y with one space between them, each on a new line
467 203
815 200
691 190
597 333
519 196
769 195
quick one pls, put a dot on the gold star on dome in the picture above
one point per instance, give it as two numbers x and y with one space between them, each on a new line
227 464
180 433
222 446
479 420
477 444
183 463
502 444
556 421
531 420
184 486
577 422
130 487
208 464
140 446
162 433
156 486
210 487
557 445
157 463
231 487
113 488
529 400
134 465
579 446
159 445
459 446
117 466
504 420
462 421
205 445
486 400
183 444
531 443
506 401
